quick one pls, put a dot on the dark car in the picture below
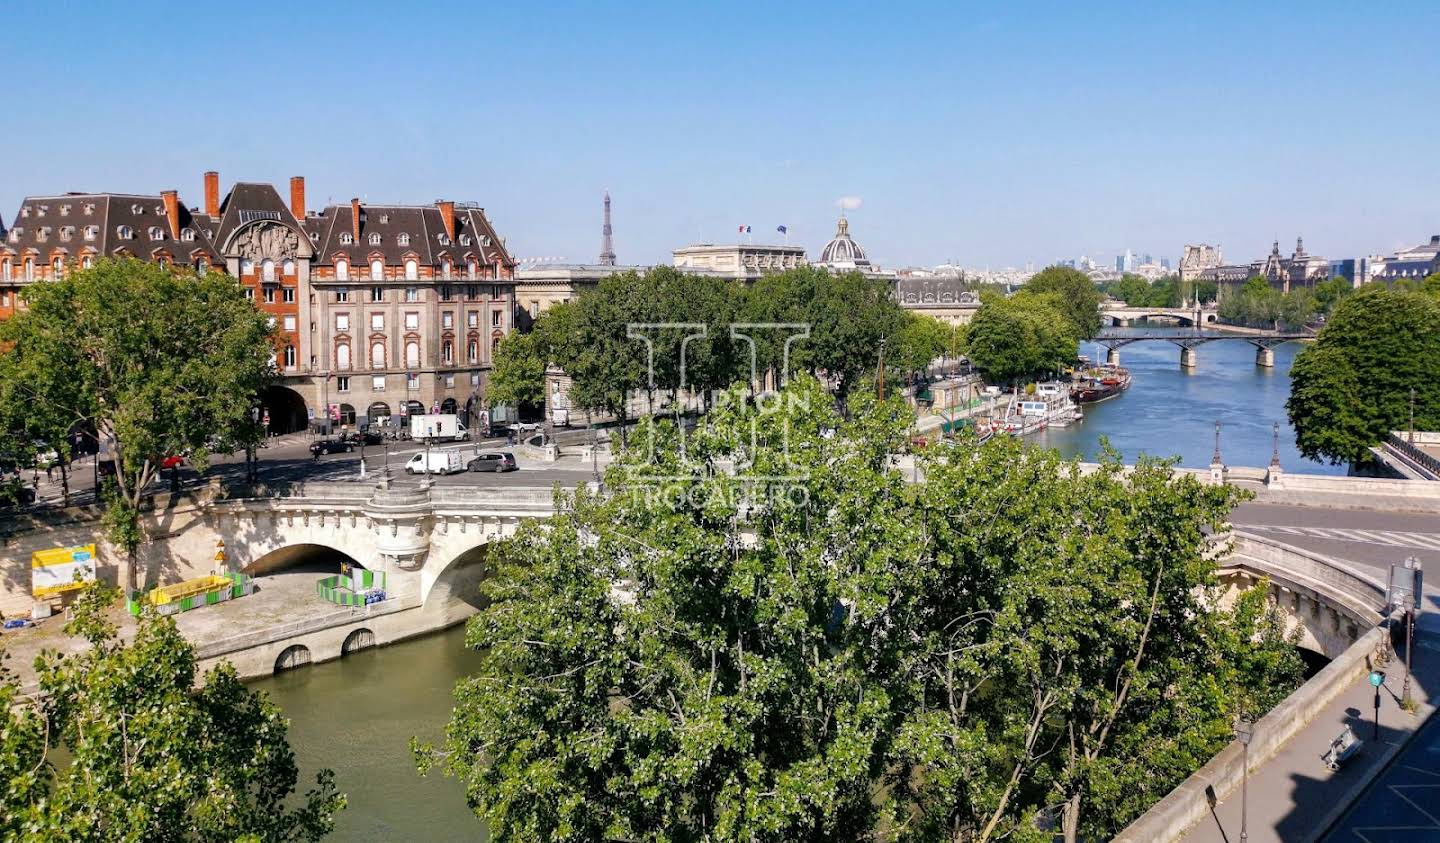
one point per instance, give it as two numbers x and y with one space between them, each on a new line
494 462
331 446
369 437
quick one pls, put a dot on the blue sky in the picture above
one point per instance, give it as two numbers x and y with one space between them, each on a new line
990 133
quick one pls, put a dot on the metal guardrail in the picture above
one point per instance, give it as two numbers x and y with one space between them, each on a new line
1410 452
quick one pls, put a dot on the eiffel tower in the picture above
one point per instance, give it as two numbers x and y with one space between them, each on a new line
607 247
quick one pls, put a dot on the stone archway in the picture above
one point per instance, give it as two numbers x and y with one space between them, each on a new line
448 405
316 558
296 655
285 408
358 639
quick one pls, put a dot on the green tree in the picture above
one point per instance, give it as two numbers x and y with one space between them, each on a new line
518 376
921 340
159 361
1351 387
1329 292
850 655
121 746
1078 297
1296 308
1023 336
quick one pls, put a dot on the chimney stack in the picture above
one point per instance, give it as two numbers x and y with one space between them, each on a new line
297 196
447 213
172 211
212 193
355 219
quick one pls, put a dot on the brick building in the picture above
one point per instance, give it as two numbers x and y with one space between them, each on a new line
382 310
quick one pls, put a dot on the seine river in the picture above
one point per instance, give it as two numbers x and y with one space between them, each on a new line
356 716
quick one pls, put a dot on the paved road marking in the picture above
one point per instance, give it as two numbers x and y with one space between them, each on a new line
1389 538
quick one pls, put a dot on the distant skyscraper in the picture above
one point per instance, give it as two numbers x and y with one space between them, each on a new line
1165 264
1119 263
607 247
1129 261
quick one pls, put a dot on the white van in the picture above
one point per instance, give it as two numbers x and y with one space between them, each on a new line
440 462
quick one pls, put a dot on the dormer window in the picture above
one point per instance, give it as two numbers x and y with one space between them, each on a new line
42 234
41 209
342 270
464 240
137 209
92 231
89 208
472 267
156 233
67 232
15 234
160 210
64 210
124 232
25 211
443 238
403 239
375 239
57 267
187 234
346 239
384 219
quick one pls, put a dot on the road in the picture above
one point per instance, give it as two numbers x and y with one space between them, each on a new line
288 459
1371 539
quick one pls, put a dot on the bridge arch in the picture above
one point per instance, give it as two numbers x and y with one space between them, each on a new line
301 556
296 655
358 639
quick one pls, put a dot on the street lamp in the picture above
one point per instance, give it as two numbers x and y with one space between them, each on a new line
1275 445
1377 678
1244 730
1215 458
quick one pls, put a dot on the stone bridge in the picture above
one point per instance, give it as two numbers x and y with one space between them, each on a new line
430 541
1120 315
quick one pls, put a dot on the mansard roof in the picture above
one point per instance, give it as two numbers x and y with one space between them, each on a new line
41 219
254 202
416 231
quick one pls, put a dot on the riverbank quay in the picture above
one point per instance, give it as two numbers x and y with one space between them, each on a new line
1291 794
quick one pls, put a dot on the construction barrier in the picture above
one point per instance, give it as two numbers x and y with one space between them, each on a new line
360 588
192 594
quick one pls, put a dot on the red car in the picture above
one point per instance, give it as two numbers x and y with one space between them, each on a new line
173 461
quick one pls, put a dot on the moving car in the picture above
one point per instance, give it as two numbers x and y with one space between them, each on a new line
436 462
368 437
497 462
331 446
172 461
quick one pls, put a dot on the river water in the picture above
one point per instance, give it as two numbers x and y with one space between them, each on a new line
357 715
1169 411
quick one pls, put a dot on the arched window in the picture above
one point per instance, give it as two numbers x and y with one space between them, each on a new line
157 233
57 267
267 270
471 267
412 354
447 352
472 351
412 270
342 270
402 240
375 239
342 356
87 261
377 355
445 267
5 269
288 267
289 356
377 269
247 266
495 344
125 232
29 269
200 266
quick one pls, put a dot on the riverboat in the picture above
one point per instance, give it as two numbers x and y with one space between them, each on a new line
1100 383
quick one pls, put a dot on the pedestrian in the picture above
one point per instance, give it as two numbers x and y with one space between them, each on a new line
50 471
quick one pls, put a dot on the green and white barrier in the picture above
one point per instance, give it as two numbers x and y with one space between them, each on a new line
357 589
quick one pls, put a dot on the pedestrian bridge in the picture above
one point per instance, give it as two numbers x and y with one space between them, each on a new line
1188 341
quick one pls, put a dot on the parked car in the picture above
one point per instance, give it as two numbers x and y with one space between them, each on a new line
497 462
172 461
368 437
331 446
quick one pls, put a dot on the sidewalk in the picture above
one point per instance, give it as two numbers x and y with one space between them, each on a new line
1293 797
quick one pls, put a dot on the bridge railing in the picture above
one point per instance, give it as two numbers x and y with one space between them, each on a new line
1425 461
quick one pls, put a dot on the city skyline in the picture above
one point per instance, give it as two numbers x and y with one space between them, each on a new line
974 137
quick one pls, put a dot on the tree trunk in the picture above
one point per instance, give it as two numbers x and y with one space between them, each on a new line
1070 821
65 482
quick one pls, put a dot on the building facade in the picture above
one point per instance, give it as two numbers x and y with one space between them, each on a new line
742 261
1412 264
381 311
941 298
1300 269
843 254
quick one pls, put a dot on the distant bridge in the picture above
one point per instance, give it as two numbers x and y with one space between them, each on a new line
1121 315
1188 341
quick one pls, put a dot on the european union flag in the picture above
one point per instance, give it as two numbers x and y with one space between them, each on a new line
782 229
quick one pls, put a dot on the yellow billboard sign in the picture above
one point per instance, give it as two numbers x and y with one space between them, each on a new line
61 569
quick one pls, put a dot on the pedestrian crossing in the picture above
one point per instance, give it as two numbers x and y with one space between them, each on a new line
1388 538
